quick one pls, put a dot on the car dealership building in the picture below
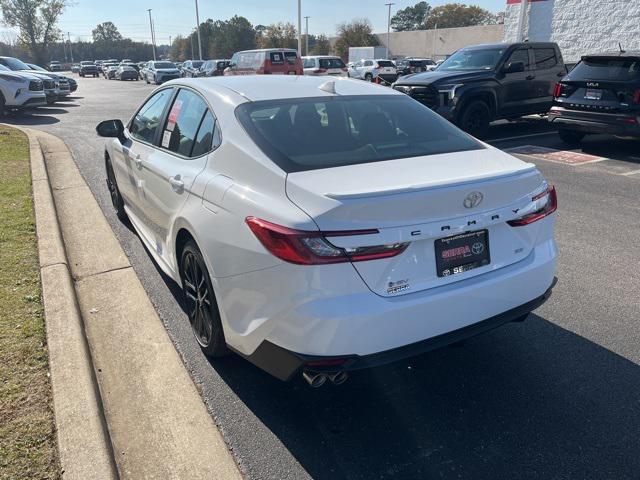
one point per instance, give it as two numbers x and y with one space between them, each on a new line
578 26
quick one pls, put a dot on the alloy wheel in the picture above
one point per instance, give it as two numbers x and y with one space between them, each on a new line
199 299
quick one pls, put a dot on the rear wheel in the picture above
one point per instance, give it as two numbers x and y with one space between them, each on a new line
114 192
475 118
202 308
571 137
3 105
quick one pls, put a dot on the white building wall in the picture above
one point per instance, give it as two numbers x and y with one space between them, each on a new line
578 26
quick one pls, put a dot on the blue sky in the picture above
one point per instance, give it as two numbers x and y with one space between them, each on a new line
174 17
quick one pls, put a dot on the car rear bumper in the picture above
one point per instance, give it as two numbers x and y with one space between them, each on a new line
596 122
284 364
330 313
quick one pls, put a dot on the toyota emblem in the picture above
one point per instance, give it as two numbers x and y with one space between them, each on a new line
473 200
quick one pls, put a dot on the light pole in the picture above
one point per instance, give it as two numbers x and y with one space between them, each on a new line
70 49
306 36
389 28
299 28
153 41
198 28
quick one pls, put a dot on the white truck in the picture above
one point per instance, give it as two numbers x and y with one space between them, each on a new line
366 53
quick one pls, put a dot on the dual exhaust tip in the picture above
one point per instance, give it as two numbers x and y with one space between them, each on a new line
316 379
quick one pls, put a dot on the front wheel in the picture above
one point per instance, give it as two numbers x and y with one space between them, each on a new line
114 192
571 137
202 307
368 77
475 118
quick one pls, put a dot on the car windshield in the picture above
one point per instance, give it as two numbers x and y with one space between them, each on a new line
331 63
36 67
164 65
14 64
472 59
87 64
616 69
316 133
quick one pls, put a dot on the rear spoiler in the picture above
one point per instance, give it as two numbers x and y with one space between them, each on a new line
610 56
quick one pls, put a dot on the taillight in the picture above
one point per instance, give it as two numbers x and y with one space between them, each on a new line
544 205
636 97
313 248
557 91
320 70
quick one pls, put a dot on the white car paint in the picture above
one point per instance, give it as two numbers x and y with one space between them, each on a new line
16 92
370 69
315 65
345 308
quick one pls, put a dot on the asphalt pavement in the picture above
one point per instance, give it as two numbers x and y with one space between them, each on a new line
555 397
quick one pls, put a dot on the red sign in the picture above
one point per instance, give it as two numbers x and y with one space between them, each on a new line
559 156
173 114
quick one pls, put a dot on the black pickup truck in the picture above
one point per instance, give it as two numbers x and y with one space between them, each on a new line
483 83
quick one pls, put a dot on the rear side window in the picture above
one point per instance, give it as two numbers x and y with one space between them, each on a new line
276 58
545 58
316 133
616 69
183 121
208 136
146 122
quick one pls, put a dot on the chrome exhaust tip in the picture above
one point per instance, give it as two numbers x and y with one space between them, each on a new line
338 378
315 380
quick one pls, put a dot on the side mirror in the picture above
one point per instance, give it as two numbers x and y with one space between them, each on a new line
515 67
111 129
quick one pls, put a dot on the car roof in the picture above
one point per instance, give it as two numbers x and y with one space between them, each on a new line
631 54
269 50
507 45
275 87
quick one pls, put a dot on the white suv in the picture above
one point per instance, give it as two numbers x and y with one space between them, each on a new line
370 70
20 90
324 65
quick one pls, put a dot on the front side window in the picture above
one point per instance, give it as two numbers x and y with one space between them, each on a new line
368 63
309 63
331 63
146 122
183 121
519 56
315 133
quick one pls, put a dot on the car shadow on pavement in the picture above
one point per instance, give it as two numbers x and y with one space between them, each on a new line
529 400
39 117
626 150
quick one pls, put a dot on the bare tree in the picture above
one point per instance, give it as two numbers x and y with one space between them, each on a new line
36 21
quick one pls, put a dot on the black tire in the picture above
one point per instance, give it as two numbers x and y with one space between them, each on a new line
114 193
476 118
146 79
3 105
202 308
368 77
571 137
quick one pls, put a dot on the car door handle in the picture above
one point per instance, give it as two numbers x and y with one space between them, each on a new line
531 77
177 185
138 161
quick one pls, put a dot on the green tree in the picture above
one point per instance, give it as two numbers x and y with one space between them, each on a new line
411 18
279 35
106 32
36 21
321 45
231 36
453 15
357 33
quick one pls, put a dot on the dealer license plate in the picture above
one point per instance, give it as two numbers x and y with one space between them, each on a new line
461 253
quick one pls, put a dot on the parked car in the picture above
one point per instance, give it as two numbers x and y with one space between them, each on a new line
265 61
20 90
66 85
126 72
600 95
88 69
75 68
369 70
408 66
325 226
324 65
54 66
110 72
55 85
213 68
160 72
483 83
190 68
105 67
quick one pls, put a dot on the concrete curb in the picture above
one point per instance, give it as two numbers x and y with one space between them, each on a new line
158 425
83 443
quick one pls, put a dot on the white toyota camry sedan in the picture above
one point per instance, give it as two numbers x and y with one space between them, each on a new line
319 226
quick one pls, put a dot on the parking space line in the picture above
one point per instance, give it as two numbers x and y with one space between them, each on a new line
519 137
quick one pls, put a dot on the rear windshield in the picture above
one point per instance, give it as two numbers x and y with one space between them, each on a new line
324 132
385 63
164 65
621 69
291 57
331 63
